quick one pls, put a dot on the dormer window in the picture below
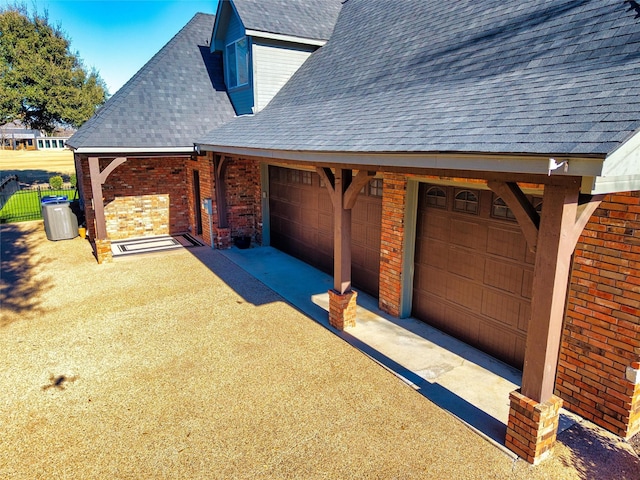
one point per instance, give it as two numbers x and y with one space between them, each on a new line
237 63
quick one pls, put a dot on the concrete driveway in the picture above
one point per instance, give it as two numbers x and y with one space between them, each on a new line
182 365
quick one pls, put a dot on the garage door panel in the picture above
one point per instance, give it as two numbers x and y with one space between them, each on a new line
500 307
505 276
435 227
497 341
465 233
302 225
464 292
465 263
506 243
473 275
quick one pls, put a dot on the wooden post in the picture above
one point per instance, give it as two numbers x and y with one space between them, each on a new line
553 260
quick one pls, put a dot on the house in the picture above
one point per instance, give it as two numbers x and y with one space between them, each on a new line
15 136
474 165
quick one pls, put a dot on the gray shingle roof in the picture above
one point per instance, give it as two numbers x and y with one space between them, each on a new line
548 77
300 18
175 98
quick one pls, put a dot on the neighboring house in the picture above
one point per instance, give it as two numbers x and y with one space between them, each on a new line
449 169
15 136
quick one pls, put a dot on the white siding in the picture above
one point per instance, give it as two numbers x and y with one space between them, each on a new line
272 68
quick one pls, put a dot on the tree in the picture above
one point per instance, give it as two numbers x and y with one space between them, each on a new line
42 83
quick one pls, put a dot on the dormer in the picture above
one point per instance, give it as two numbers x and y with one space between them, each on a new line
264 42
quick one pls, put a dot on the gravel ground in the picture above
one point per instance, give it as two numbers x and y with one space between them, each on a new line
180 365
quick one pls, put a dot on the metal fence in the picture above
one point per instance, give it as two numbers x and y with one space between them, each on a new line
18 205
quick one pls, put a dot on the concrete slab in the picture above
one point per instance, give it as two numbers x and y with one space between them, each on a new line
468 383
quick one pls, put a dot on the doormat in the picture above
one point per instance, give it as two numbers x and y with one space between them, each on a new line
153 244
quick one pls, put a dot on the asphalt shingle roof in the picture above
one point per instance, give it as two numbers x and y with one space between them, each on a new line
300 18
548 77
175 98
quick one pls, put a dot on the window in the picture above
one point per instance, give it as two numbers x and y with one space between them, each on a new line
40 144
466 201
237 63
47 143
375 187
500 210
436 197
306 178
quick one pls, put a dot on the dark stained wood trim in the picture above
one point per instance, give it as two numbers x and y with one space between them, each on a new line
97 180
551 273
360 180
522 209
341 233
585 210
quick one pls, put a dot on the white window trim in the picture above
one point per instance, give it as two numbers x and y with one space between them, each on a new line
227 60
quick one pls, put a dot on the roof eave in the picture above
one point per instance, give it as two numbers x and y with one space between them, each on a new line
132 150
285 38
583 166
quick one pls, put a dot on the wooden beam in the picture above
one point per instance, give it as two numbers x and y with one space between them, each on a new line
341 233
326 175
97 180
361 179
526 215
585 210
551 274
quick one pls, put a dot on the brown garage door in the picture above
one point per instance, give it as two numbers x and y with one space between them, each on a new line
301 217
473 270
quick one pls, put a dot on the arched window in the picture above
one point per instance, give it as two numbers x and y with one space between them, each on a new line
500 210
466 201
436 197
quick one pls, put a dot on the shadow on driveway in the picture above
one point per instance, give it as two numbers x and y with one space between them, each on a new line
19 293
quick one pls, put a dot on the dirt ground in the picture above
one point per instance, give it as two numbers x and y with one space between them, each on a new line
36 165
181 365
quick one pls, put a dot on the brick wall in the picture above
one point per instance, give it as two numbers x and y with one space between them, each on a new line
602 326
244 211
143 196
394 192
204 166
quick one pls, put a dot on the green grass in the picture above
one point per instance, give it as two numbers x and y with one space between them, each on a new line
25 204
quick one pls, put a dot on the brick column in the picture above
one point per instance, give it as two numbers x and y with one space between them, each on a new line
532 428
394 193
103 251
342 309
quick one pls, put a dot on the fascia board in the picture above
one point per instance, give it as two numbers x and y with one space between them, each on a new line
285 38
611 184
117 150
506 163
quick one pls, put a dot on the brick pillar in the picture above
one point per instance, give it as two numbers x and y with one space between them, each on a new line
532 428
223 238
103 251
394 194
342 309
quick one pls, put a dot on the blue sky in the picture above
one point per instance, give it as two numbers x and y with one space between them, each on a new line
118 37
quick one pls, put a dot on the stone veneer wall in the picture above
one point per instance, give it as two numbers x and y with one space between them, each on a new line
143 196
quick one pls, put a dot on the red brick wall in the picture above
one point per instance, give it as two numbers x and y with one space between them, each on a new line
243 195
204 166
146 179
602 325
394 192
244 212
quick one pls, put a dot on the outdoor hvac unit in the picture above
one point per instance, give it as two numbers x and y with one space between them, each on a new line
60 223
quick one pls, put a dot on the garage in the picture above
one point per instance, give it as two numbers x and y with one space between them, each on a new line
473 270
301 217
